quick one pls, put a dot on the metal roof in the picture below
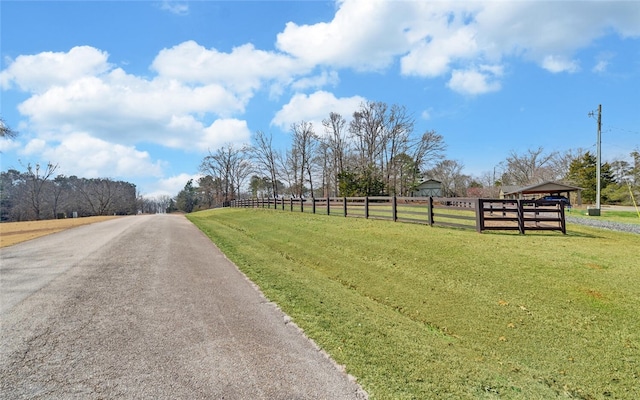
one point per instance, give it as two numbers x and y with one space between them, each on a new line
544 187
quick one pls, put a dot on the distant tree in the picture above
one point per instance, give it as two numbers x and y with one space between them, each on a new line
427 149
260 186
621 171
229 166
534 166
303 150
335 147
36 179
583 173
207 193
449 173
171 206
266 158
186 200
404 175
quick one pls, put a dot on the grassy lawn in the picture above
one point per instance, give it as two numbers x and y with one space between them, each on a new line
629 217
416 312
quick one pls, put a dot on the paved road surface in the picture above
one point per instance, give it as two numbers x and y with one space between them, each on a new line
146 307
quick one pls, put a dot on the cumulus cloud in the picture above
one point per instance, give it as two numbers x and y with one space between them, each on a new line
39 72
114 106
172 185
314 108
82 155
476 80
433 39
364 35
242 71
557 64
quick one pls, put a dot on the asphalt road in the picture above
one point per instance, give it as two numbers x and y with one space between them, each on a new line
146 307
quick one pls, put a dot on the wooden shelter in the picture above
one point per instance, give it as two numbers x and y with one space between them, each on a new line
428 188
548 188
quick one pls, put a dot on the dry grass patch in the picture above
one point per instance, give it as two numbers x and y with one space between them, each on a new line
16 232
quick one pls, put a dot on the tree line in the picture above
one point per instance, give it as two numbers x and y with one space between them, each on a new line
38 194
379 153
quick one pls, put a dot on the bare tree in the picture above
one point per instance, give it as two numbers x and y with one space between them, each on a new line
302 151
532 167
37 177
428 149
368 130
449 173
398 127
229 166
334 149
266 157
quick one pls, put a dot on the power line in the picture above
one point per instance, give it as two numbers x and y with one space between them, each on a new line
622 129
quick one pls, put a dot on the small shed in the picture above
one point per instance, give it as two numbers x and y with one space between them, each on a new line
541 189
428 188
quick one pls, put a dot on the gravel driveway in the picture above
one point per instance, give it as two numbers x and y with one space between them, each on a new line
146 307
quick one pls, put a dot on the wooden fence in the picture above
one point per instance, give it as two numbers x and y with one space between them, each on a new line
471 213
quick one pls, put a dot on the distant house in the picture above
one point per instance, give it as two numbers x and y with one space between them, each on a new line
541 189
427 188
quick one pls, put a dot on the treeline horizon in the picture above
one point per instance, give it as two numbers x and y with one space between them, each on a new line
36 194
379 153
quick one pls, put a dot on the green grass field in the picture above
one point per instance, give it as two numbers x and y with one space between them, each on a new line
629 217
416 312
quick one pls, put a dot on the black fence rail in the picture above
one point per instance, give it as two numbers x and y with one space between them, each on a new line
470 213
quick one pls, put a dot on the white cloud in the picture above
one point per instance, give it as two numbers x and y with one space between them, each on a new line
172 185
8 144
432 39
433 58
40 72
364 34
557 64
34 146
601 66
117 107
326 78
476 81
243 71
314 108
224 131
175 7
82 155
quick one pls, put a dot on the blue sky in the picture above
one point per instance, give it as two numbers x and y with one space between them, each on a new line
142 90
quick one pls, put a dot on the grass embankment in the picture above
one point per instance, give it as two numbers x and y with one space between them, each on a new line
16 232
416 312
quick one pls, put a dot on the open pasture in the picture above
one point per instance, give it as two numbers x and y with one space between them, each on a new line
418 312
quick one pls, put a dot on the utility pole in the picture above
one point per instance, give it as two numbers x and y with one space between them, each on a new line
596 211
599 157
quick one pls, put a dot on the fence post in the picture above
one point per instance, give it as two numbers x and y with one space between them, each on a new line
328 205
563 224
366 206
344 206
430 211
283 204
394 208
479 215
313 205
521 216
291 204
